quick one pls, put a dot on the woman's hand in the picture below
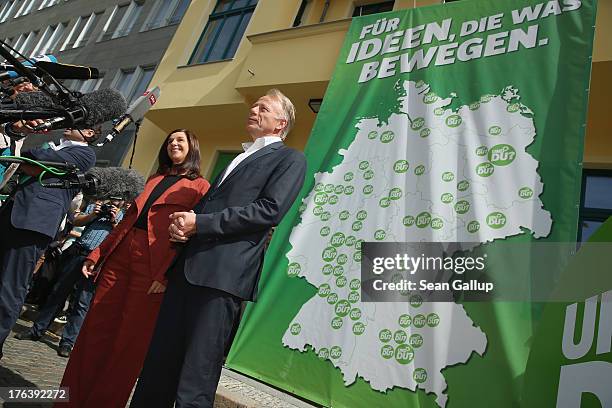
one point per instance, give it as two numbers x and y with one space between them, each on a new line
156 287
88 267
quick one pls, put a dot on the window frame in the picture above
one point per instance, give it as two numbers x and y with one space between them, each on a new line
591 213
215 16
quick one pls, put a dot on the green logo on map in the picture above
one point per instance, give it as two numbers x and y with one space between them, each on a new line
400 166
324 231
367 189
437 223
386 351
404 320
430 97
295 329
419 321
419 375
496 220
408 220
525 193
324 290
502 154
447 198
342 308
453 121
485 169
335 352
417 123
473 227
463 185
425 132
495 130
385 335
336 323
416 340
423 219
327 269
448 176
419 170
482 151
433 320
387 136
329 254
358 328
404 354
372 135
400 337
379 235
294 269
395 193
337 239
344 215
462 207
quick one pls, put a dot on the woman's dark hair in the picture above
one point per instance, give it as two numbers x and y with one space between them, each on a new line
190 167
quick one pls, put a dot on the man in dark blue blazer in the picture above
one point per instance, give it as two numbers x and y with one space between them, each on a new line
221 262
31 218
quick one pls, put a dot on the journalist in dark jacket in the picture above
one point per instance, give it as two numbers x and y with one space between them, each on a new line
30 220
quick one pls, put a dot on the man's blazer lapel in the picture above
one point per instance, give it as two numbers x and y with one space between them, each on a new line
260 153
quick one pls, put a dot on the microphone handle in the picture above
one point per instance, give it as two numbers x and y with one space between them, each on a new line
13 115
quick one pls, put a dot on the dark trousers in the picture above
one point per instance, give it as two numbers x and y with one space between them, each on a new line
19 251
69 276
185 357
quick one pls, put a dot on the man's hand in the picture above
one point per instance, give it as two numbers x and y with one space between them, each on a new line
26 126
88 267
114 211
156 287
183 226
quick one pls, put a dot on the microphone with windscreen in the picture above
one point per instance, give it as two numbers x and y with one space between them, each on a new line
90 110
101 183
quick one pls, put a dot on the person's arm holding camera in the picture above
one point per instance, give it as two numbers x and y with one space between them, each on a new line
83 219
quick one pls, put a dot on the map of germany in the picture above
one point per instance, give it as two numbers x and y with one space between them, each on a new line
428 174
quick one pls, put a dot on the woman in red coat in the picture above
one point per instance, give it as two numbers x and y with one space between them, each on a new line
132 260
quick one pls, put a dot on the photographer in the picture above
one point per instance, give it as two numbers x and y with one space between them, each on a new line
99 219
31 217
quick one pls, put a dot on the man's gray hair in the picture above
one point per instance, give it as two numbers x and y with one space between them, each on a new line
288 110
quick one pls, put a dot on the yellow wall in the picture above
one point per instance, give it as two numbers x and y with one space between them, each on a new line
213 98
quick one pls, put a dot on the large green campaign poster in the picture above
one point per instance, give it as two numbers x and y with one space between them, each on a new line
462 122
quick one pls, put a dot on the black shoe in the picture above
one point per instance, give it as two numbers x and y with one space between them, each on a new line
27 335
64 350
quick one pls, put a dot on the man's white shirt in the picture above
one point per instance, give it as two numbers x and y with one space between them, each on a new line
249 149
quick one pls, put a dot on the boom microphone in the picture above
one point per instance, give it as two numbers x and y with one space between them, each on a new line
68 71
10 73
93 108
134 114
115 181
101 183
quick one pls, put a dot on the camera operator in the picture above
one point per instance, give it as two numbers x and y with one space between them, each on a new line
12 146
99 219
30 219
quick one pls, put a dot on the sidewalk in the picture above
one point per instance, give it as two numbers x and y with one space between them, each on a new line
36 364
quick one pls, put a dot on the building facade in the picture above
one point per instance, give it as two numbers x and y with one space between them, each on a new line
124 39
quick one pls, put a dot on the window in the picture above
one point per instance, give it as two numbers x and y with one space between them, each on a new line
166 12
48 3
373 8
178 12
129 19
123 82
7 10
28 6
28 43
85 85
302 13
596 203
48 41
226 26
81 32
113 22
133 82
144 77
